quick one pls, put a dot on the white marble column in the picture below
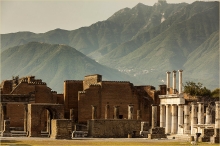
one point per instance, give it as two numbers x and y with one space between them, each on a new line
217 114
130 111
200 112
174 82
168 82
168 119
162 115
208 117
174 119
180 81
186 120
180 119
193 117
154 116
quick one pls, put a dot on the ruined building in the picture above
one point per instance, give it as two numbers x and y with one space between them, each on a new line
27 98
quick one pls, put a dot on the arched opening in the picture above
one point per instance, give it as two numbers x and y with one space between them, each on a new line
45 121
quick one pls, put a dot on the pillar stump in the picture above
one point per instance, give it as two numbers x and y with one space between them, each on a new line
156 132
6 132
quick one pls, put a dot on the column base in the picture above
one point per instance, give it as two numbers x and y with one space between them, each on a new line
157 132
6 134
214 139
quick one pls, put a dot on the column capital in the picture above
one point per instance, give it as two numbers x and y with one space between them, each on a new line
93 106
200 102
193 103
174 71
130 104
153 105
116 106
180 70
168 72
161 104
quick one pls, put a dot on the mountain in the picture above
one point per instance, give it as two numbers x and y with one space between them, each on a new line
146 41
53 63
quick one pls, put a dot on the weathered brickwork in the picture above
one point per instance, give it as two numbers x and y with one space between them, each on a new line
27 87
100 93
70 95
113 128
35 111
61 129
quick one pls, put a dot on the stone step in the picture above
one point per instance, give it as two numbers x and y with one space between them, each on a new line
18 134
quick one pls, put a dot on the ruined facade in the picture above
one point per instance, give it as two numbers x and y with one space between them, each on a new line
80 95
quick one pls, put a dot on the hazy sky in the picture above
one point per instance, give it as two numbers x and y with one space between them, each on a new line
41 16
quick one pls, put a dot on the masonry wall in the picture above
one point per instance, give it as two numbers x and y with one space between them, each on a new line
6 87
113 128
91 79
61 129
120 94
91 96
71 88
16 114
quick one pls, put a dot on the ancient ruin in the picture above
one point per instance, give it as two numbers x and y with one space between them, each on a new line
96 108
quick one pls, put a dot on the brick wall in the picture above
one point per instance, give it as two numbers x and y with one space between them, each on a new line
70 95
91 96
16 114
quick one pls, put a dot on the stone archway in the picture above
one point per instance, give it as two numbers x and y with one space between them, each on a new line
56 111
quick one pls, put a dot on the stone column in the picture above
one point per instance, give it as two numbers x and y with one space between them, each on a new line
180 119
217 114
193 117
174 119
94 112
174 82
116 112
208 119
180 81
162 115
168 82
168 119
130 111
25 117
107 111
154 116
200 112
138 114
186 120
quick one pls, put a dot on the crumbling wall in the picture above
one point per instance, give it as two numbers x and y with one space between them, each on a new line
61 129
113 128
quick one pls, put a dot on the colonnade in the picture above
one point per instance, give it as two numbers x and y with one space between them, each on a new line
177 119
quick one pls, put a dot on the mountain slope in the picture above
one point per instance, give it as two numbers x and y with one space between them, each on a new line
54 64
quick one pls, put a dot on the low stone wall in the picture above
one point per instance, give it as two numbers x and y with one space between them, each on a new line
61 129
117 128
206 134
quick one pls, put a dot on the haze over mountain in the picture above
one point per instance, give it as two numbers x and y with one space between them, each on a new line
145 42
53 63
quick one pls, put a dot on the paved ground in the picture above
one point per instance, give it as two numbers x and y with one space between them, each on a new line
26 141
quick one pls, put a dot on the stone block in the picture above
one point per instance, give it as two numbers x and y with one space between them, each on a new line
156 136
61 128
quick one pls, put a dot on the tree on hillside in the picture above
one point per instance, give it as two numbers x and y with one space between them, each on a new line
196 89
216 93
